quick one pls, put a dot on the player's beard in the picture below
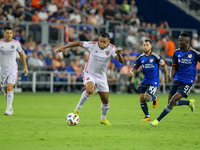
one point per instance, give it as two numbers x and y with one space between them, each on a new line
147 51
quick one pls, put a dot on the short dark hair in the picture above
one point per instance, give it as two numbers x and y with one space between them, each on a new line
105 35
8 28
148 40
185 34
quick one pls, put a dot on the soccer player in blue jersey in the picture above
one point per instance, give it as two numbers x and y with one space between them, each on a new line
150 63
184 63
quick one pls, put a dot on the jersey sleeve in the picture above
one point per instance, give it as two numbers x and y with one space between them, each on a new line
87 45
19 48
137 64
174 60
113 52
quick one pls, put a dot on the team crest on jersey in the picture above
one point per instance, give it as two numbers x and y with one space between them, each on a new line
107 52
189 55
151 60
87 78
12 46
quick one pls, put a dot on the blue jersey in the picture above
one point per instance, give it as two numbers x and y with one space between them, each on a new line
186 65
150 65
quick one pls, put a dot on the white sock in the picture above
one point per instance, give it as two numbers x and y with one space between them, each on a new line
104 110
5 95
10 97
84 98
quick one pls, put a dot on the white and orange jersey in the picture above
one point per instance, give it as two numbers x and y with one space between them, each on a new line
98 58
8 53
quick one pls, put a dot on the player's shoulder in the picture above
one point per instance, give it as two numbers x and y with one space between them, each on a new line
1 40
177 50
16 41
92 42
140 56
155 55
194 51
112 46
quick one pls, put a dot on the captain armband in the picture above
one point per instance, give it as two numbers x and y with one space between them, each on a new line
162 63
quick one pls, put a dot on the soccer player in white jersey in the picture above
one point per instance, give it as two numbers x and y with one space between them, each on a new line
94 73
8 65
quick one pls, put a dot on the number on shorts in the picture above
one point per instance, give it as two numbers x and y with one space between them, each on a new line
152 90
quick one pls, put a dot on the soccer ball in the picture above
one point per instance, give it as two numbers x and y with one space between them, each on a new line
72 119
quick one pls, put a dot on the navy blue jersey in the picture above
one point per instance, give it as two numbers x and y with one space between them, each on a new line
150 65
186 65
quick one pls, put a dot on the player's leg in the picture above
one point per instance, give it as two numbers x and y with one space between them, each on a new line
85 96
10 97
167 109
184 89
4 89
144 107
149 95
104 107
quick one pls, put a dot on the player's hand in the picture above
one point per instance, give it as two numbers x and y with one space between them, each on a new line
118 51
170 79
59 50
26 71
130 74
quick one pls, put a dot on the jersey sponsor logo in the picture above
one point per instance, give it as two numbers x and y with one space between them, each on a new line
151 60
87 78
189 55
107 52
12 46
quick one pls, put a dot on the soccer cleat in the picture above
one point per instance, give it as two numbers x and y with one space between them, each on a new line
106 122
155 103
77 112
192 101
146 119
154 123
8 112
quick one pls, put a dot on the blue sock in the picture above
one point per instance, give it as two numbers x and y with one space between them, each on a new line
153 98
145 108
164 113
182 102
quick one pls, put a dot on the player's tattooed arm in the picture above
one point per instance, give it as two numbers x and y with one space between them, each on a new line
165 73
119 56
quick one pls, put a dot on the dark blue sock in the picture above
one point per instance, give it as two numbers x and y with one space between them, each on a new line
182 102
164 113
144 108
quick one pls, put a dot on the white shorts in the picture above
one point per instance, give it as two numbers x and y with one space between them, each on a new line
101 85
8 77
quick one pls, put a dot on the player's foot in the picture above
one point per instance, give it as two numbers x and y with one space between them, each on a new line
8 112
146 119
154 123
77 112
155 103
192 101
106 122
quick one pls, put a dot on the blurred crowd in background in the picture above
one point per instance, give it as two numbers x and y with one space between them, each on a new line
87 13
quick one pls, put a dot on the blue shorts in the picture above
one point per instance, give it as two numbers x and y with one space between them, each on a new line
182 88
147 88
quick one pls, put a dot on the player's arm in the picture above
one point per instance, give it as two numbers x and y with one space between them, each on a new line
119 56
171 73
74 44
135 67
22 56
162 64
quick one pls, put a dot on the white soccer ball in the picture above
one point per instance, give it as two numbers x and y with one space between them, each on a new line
72 119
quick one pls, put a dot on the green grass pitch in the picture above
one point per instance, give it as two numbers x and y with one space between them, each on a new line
38 123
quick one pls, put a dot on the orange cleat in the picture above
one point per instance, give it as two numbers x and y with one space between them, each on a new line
155 103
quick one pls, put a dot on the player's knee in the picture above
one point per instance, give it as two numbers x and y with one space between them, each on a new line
10 87
90 91
147 98
105 101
